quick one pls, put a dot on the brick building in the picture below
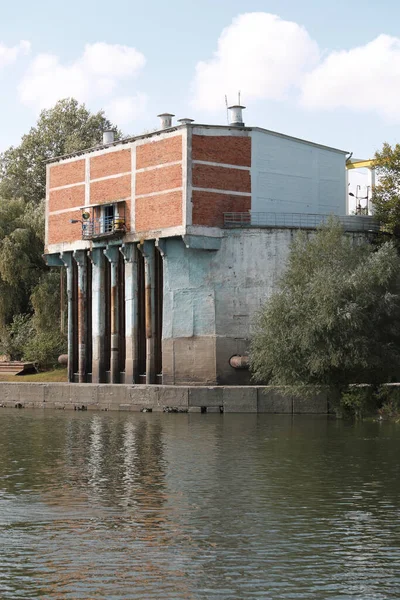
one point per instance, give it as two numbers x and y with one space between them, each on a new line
172 240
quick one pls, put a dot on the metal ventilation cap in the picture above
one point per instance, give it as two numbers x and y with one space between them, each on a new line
165 120
108 136
185 121
235 115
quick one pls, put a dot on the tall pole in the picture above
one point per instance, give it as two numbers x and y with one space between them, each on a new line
81 259
112 254
129 252
98 315
62 302
148 250
67 260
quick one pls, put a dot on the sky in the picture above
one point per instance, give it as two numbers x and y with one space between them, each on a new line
324 71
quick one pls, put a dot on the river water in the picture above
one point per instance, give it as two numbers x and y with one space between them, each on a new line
130 505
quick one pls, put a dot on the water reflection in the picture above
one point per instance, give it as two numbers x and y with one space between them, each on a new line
197 506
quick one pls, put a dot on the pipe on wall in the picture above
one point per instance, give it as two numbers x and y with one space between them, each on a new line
239 362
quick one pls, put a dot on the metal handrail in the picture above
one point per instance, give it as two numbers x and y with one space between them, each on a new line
103 226
297 220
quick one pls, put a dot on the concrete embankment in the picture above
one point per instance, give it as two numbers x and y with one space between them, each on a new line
232 399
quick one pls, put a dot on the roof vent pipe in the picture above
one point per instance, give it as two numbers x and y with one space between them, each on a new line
108 136
165 120
235 115
185 121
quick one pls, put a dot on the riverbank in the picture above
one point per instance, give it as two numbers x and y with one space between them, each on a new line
57 375
147 398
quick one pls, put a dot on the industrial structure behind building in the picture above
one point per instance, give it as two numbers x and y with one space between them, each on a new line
173 240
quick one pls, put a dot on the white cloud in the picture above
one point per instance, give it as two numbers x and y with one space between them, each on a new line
125 109
9 55
266 57
366 78
96 74
259 54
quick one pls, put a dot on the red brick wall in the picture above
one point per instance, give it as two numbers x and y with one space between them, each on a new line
110 163
108 190
61 230
67 173
159 153
221 178
157 180
67 198
222 149
209 207
158 211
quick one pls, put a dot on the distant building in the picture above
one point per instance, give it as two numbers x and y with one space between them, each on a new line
173 240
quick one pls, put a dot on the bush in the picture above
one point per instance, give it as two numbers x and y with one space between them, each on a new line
45 347
389 397
359 401
15 336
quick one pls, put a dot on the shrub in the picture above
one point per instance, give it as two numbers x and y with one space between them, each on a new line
389 397
359 401
15 336
45 347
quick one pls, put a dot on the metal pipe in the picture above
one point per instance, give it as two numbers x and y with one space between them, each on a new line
239 362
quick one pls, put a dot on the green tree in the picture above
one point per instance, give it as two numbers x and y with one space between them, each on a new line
21 263
67 127
335 319
386 194
29 290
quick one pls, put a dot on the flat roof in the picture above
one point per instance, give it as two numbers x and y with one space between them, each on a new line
127 140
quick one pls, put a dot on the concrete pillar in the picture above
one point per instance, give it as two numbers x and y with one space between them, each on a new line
67 259
129 252
148 250
98 315
81 260
112 254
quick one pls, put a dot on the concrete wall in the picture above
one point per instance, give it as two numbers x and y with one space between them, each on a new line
65 396
293 176
210 299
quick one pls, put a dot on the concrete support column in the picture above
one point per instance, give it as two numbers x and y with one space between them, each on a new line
112 254
81 260
98 315
148 250
129 252
67 259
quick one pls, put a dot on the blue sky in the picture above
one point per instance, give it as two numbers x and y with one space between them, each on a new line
324 71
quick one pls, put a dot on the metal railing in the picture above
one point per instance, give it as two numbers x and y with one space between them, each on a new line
104 226
297 220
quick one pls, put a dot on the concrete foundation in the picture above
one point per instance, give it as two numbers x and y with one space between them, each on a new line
90 396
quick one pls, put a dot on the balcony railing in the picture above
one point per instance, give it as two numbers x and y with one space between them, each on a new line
297 221
103 227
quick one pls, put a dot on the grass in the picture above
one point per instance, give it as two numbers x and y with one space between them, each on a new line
57 375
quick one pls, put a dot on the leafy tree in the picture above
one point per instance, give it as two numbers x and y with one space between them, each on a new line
21 263
335 319
29 291
386 194
67 127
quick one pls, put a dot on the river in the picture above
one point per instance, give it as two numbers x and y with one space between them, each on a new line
193 506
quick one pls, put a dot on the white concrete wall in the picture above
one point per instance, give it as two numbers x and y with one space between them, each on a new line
218 292
292 176
210 299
